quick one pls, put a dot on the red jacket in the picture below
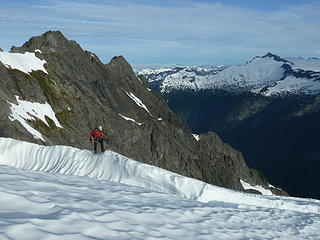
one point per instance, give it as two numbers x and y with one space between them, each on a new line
96 134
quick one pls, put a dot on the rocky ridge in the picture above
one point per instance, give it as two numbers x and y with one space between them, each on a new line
83 92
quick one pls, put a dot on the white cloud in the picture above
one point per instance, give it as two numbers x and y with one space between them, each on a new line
144 32
311 10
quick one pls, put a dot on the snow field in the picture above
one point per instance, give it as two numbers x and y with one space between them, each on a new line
292 84
102 203
312 64
114 167
37 205
258 73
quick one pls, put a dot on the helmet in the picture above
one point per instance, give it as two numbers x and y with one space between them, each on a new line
100 128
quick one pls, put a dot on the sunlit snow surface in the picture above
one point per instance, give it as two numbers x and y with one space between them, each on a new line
259 72
38 205
24 62
55 206
292 84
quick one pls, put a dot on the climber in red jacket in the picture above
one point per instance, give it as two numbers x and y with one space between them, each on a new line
97 136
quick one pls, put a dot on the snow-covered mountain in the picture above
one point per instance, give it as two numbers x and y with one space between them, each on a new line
75 194
268 108
268 75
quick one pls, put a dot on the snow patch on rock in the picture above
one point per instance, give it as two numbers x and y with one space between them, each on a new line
130 119
258 188
196 136
25 110
137 101
24 62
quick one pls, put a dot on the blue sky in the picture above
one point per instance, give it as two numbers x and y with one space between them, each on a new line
162 32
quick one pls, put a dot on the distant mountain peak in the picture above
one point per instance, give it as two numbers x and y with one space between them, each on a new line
270 54
275 57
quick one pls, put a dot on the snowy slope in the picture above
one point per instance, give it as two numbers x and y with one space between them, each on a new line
55 206
260 75
37 205
312 64
112 166
259 72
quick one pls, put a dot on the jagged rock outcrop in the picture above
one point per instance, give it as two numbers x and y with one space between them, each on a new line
83 92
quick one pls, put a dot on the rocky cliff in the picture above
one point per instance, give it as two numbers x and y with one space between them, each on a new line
83 92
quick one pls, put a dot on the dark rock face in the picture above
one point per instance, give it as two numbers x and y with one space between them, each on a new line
275 57
299 73
84 93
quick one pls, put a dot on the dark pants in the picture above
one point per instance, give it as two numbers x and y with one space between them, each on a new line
95 143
